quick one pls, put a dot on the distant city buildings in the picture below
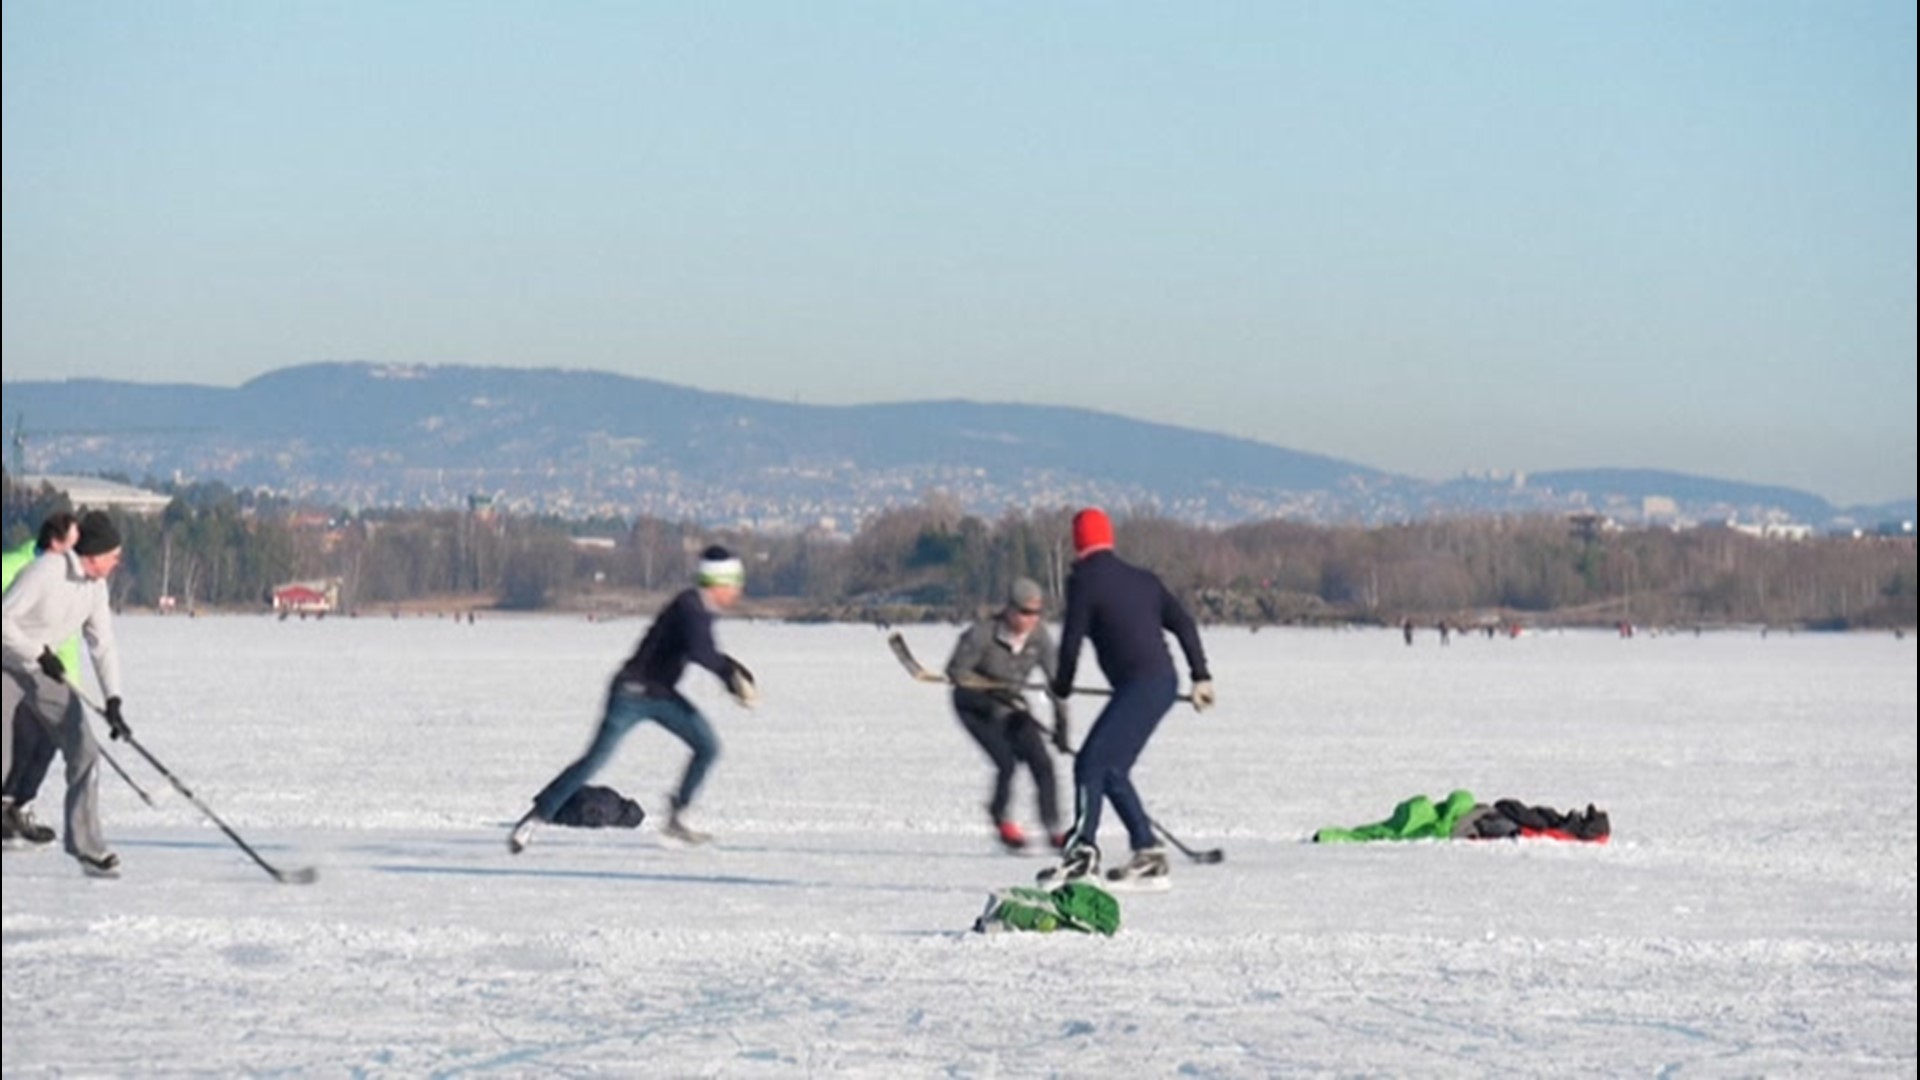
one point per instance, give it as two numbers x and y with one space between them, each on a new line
838 500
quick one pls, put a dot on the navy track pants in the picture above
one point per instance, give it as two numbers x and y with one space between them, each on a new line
1103 770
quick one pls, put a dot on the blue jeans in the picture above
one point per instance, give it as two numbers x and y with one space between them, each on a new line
627 706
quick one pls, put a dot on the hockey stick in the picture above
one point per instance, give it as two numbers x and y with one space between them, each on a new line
137 789
898 644
1208 856
915 668
304 876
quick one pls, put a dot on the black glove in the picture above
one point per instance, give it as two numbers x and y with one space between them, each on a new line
115 722
50 663
1062 730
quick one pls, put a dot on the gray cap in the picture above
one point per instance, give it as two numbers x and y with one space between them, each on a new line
1026 594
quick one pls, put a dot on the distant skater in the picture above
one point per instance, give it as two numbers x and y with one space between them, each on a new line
645 688
989 670
1124 611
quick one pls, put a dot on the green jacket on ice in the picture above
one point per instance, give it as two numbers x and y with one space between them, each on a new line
1415 819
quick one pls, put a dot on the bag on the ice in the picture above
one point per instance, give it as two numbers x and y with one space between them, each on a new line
1020 908
598 808
1088 905
1082 907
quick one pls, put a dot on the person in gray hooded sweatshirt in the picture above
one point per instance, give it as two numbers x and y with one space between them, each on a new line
54 598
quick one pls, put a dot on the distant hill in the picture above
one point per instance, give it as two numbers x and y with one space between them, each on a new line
1682 488
1700 492
578 443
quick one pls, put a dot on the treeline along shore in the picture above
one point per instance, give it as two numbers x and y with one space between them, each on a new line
214 548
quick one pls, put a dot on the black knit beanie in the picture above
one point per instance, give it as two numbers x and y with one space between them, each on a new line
97 534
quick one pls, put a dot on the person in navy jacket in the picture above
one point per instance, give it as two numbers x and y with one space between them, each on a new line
646 688
1123 610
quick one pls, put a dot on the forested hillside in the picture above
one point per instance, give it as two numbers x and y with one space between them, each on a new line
213 547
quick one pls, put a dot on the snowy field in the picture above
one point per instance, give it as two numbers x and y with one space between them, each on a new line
1754 915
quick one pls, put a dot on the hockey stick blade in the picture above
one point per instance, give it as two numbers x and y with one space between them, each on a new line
1207 857
898 644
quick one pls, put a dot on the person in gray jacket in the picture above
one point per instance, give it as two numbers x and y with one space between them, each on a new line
989 670
55 597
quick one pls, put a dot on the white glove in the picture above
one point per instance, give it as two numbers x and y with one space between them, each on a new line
741 685
1203 695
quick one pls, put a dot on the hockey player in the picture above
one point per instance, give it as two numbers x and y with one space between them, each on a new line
30 747
53 599
1122 609
645 689
989 670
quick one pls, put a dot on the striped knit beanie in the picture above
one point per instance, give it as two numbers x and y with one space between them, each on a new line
718 566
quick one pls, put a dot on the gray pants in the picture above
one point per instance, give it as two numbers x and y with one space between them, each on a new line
56 707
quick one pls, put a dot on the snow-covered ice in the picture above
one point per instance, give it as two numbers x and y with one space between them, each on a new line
1754 914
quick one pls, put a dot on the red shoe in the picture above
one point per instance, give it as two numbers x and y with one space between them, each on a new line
1011 837
1058 840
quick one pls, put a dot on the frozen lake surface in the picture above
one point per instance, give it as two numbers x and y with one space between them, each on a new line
1754 914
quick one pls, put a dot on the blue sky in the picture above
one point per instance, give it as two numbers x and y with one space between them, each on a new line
1426 237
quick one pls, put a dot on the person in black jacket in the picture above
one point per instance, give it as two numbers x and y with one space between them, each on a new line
1123 609
645 689
988 670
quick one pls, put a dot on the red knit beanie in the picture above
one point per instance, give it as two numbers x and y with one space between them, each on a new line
1091 531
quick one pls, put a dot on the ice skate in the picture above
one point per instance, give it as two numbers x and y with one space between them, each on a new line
677 828
522 833
20 832
1082 861
105 865
1011 837
1147 871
